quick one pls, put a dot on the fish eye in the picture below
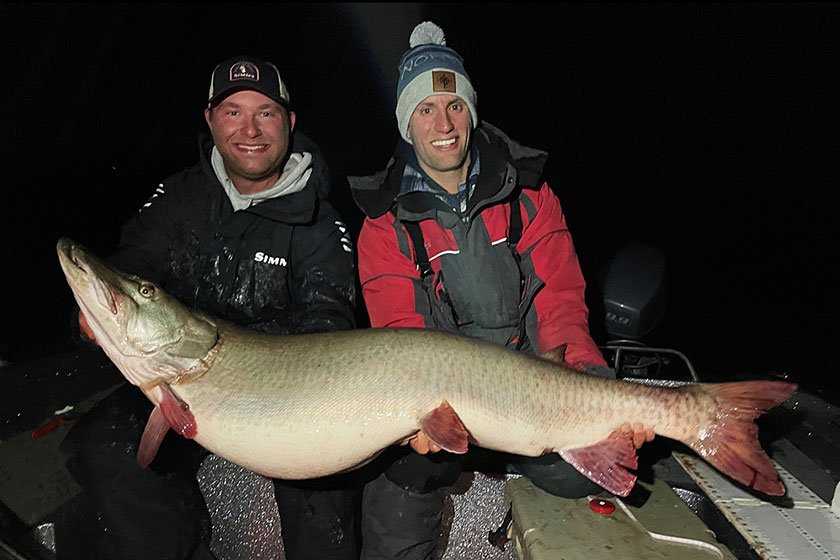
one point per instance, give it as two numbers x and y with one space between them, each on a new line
147 290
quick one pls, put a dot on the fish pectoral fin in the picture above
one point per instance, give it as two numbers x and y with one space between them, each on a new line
444 427
170 412
177 413
153 434
604 463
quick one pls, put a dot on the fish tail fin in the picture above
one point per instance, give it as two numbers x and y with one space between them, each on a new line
730 442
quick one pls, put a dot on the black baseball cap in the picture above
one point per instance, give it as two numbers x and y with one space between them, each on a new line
247 72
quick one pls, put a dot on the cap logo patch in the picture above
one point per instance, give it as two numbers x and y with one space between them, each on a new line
244 71
443 81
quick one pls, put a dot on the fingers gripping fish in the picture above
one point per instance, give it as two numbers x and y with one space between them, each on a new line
305 406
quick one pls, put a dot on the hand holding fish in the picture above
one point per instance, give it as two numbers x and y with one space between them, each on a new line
421 443
637 432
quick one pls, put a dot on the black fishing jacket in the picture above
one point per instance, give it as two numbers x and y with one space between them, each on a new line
285 265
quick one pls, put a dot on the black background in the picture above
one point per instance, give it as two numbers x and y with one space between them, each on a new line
707 130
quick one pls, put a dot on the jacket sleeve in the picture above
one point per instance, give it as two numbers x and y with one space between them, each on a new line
561 313
143 240
145 237
388 277
323 275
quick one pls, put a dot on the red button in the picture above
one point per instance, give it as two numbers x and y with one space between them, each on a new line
604 507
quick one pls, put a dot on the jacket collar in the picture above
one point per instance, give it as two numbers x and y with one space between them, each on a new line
296 208
505 165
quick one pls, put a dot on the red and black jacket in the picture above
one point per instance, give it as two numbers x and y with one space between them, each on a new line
530 295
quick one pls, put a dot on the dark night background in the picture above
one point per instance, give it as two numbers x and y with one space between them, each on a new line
707 130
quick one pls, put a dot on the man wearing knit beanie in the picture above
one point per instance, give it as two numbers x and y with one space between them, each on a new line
462 234
429 67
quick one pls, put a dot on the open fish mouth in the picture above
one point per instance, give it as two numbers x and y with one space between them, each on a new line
77 266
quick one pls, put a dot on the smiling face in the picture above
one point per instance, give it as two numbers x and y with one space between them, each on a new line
440 129
251 132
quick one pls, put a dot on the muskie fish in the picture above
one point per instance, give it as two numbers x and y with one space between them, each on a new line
305 406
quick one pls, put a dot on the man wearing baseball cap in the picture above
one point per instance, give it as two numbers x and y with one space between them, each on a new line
247 73
462 234
246 235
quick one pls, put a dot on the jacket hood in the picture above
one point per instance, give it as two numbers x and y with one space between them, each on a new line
298 207
376 194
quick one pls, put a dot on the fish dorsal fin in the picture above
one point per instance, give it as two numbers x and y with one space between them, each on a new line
444 427
604 462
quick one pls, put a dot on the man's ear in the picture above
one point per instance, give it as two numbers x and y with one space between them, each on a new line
207 115
292 118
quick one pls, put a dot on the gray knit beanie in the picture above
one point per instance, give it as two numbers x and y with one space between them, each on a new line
429 67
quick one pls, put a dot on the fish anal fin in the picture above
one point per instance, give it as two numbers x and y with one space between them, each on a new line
604 463
153 434
177 413
443 426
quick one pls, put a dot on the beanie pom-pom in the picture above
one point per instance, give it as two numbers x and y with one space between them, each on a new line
426 33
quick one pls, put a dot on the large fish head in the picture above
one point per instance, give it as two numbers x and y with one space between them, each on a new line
150 336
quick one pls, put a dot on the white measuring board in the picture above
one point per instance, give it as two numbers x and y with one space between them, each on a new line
806 529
